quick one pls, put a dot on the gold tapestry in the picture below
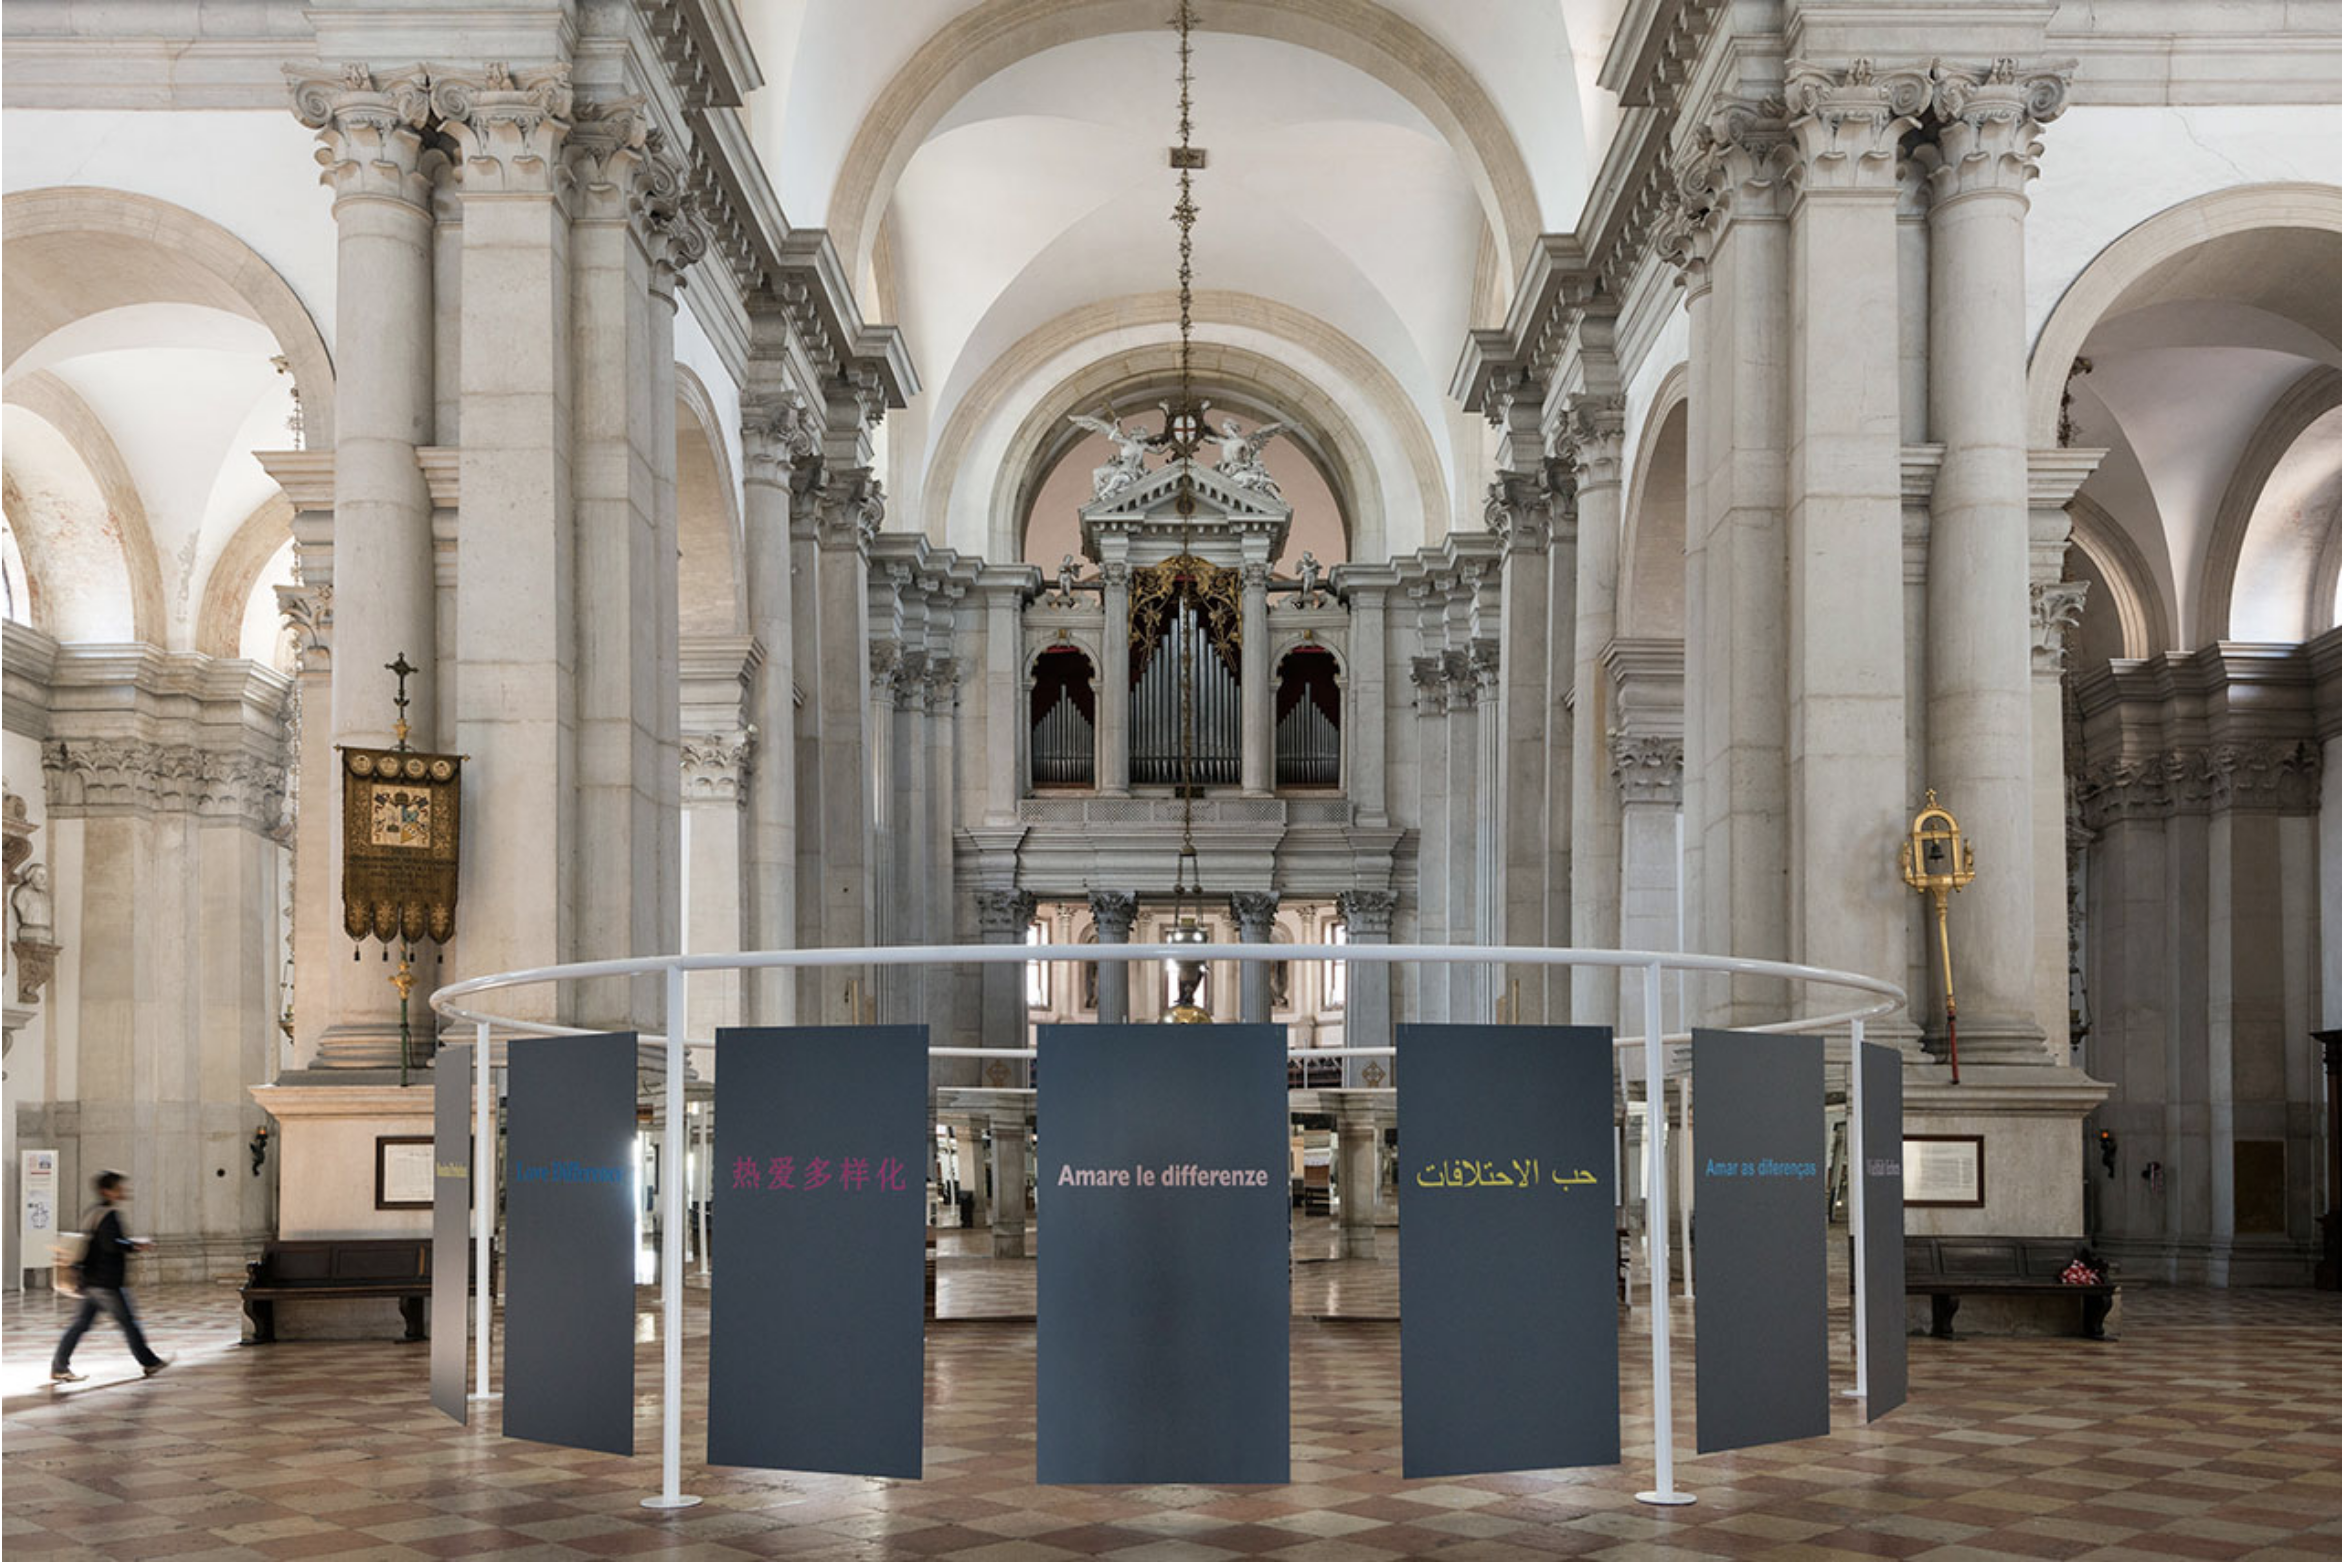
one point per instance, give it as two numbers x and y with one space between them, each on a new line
399 816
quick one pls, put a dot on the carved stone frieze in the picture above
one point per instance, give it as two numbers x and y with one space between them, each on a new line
1367 913
716 766
2054 610
2249 775
1650 768
133 777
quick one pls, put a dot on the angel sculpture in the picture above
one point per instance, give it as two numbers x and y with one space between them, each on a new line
1067 572
1131 449
1241 455
1309 596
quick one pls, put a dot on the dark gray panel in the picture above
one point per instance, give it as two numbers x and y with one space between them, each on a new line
1762 1363
1509 1330
451 1230
570 1239
1884 1301
816 1320
1163 1300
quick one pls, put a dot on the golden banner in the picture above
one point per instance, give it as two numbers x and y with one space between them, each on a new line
399 819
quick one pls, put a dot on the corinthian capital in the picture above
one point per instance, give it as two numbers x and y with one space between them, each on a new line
369 131
777 430
852 505
510 127
309 616
715 765
1651 768
1848 122
1594 430
663 211
1987 123
1004 912
2054 609
1516 511
1739 166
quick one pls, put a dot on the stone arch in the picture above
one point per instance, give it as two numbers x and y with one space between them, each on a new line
2297 409
72 250
711 583
2138 253
1652 552
2141 612
49 399
219 621
1355 478
987 40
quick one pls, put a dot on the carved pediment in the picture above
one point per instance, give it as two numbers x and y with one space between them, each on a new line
1147 512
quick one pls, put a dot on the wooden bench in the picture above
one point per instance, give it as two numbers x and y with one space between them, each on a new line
337 1270
1947 1266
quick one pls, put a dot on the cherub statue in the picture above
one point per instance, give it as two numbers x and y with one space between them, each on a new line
1068 570
1308 569
1241 453
1131 449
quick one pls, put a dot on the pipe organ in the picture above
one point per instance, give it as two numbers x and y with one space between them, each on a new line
1184 657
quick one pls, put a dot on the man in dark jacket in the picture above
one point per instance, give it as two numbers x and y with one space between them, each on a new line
103 1269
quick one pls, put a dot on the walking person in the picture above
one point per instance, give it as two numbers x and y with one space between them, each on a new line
104 1266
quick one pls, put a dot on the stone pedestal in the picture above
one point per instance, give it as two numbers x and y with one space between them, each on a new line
1359 1134
327 1125
1010 1146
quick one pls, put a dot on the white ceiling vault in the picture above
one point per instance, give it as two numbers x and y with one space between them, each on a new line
994 171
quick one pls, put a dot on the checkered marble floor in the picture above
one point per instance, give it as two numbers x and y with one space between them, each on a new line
2209 1431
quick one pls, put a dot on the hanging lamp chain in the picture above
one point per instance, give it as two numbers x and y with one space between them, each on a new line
1183 432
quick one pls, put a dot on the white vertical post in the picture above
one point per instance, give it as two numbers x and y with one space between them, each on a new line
484 1199
1856 1188
1684 1205
1664 1491
671 1267
707 1176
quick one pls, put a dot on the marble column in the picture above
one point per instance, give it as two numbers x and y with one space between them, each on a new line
1685 238
319 945
1256 752
1468 988
2056 609
776 431
371 132
1003 913
1595 428
1010 1145
1562 619
717 781
1649 771
1367 1022
1846 756
1516 512
1736 661
1256 914
1111 914
807 479
1364 711
1980 720
1359 1170
941 758
851 510
1114 689
1429 673
628 238
516 717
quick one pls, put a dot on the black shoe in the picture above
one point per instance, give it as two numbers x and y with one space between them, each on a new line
156 1366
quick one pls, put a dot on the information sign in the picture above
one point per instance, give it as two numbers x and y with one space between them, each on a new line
570 1239
816 1319
1163 1272
451 1226
1884 1301
1509 1333
1761 1355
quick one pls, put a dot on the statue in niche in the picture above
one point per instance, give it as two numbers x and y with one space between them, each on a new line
1241 455
1129 464
34 908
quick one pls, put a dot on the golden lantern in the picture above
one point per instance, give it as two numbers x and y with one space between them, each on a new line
1935 860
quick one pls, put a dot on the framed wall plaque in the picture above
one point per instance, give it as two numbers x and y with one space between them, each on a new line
1945 1171
402 1172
